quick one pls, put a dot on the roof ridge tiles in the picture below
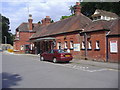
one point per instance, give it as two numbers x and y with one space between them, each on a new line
66 25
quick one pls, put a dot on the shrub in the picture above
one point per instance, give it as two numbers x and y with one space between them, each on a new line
10 50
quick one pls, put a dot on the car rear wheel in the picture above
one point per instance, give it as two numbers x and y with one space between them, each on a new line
54 60
41 58
67 61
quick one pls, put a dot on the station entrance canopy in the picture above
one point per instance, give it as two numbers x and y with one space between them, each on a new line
42 39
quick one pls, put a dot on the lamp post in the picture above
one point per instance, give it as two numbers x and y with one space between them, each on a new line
5 39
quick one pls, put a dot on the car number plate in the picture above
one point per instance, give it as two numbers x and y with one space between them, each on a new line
67 55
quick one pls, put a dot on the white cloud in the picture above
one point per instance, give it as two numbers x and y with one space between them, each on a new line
39 0
17 12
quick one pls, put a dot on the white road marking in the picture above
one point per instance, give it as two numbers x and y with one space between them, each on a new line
77 67
18 77
5 79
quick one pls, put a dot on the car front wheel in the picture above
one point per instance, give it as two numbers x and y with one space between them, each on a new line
41 58
54 60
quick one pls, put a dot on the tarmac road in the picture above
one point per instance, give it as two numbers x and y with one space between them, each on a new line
24 71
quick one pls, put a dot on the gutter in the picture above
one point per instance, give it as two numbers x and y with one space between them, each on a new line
95 30
56 34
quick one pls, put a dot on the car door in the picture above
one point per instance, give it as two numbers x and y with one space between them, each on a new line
50 55
45 55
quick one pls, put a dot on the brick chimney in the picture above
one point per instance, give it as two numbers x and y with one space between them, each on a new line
77 8
30 20
46 21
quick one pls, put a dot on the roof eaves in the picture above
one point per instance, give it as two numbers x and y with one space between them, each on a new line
112 35
95 30
56 34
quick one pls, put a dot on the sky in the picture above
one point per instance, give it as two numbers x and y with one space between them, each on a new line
18 10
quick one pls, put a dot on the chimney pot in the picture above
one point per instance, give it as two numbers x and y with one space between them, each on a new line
47 16
77 8
77 3
46 20
30 16
30 20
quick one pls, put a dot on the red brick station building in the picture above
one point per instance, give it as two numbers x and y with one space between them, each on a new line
96 39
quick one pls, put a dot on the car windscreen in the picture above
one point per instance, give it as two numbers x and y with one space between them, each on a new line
62 51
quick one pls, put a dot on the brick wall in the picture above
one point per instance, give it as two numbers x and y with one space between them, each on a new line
24 37
16 45
75 37
94 54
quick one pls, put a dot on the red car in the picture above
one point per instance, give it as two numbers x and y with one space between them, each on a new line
56 55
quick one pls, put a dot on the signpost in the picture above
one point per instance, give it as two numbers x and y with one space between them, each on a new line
76 47
113 46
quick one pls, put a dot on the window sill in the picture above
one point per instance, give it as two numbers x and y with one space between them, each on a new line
113 52
71 48
82 49
89 49
96 49
65 48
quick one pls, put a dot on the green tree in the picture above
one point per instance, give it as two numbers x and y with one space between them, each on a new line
71 9
5 30
52 21
88 8
64 17
0 29
39 22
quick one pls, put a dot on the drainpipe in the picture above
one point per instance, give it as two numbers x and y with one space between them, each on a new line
85 38
5 39
106 49
107 46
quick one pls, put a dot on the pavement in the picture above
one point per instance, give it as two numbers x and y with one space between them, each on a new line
108 65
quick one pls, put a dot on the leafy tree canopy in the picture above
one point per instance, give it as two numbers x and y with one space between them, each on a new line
52 21
39 22
88 8
64 17
5 30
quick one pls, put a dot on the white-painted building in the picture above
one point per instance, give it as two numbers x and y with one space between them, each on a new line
104 15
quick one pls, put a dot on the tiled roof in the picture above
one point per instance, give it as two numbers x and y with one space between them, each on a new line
98 25
24 27
66 25
105 13
115 27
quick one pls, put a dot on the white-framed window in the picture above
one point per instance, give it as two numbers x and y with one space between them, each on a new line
95 18
22 47
65 45
114 46
59 45
97 45
99 17
89 45
103 17
83 45
32 46
17 34
71 44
